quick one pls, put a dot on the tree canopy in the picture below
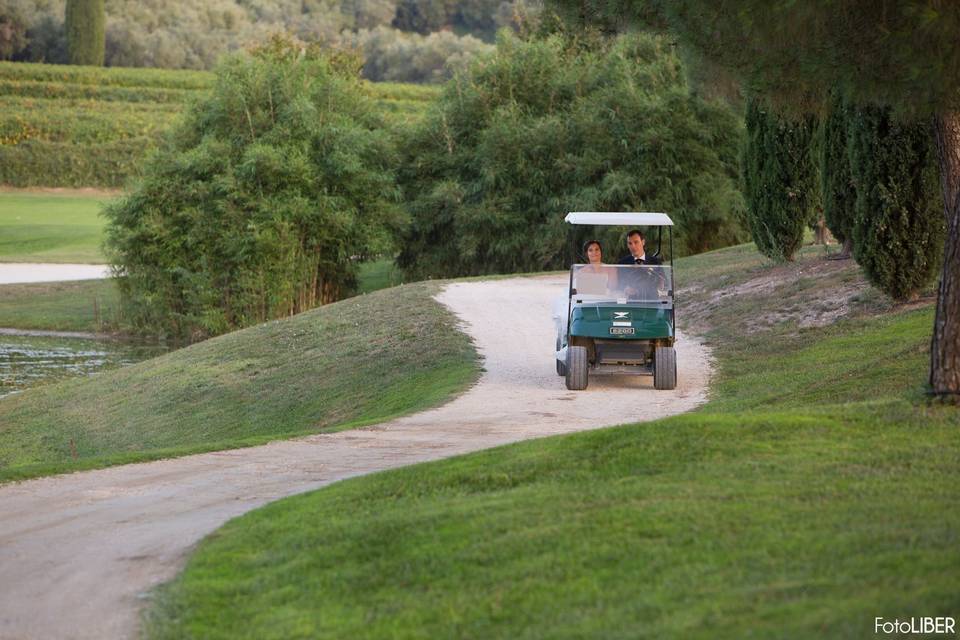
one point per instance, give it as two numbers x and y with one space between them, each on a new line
547 126
261 201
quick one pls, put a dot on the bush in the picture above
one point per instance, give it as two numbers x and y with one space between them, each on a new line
260 201
780 181
899 228
544 127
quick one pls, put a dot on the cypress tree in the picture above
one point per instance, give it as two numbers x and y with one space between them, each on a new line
898 227
836 183
779 181
86 32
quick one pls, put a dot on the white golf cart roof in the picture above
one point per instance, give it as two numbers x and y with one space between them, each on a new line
619 219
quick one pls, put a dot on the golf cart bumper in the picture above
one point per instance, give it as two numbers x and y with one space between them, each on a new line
621 323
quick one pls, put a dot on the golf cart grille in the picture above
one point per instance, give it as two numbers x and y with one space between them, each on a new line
620 352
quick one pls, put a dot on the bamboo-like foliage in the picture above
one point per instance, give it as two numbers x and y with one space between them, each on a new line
85 24
260 202
549 126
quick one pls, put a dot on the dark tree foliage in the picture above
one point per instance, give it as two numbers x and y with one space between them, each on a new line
46 42
189 34
85 23
904 54
547 126
836 183
779 180
261 201
898 228
13 32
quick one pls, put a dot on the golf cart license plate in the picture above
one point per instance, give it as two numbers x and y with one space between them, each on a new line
622 331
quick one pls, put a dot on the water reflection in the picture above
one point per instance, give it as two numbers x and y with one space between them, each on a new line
27 361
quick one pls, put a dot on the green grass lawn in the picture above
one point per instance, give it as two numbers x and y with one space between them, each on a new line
815 491
83 305
50 228
378 274
275 380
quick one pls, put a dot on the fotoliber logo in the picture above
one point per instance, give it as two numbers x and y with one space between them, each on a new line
914 625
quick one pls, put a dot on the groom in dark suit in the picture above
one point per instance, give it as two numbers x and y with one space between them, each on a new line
640 283
636 243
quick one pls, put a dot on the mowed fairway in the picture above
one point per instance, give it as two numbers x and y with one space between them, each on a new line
38 227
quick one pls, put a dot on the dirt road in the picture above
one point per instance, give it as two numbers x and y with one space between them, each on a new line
79 553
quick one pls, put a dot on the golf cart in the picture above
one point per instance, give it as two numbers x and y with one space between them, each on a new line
619 319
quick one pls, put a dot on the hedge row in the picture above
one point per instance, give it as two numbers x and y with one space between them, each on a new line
88 126
38 163
101 76
22 123
60 90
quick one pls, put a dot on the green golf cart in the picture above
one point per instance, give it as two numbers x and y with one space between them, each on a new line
619 319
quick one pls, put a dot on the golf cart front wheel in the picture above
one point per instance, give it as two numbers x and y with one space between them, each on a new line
664 368
561 367
576 368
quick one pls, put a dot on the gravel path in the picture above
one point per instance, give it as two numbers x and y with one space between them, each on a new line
79 553
17 272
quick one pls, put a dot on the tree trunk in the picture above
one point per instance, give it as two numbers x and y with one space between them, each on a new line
846 250
945 344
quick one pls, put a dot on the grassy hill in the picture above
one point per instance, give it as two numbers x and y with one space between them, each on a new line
816 490
278 379
91 126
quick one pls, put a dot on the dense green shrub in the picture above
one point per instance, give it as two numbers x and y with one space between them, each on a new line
898 229
260 202
836 183
780 180
85 23
544 127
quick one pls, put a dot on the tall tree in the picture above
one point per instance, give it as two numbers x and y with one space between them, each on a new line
897 226
85 21
836 183
779 181
901 53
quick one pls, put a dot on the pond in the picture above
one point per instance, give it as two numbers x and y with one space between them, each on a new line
42 357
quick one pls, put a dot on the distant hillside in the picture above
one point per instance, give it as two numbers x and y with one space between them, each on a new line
68 126
178 34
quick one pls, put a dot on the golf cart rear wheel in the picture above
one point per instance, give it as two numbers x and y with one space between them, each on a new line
561 367
576 368
664 368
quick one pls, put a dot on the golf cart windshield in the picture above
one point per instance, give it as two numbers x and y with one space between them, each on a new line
621 283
